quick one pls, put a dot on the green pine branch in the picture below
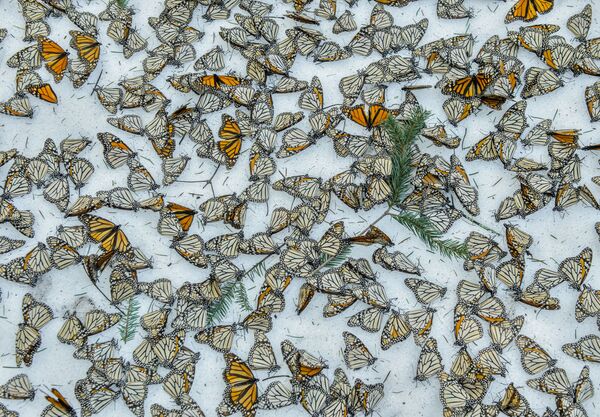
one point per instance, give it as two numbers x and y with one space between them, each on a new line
337 260
128 324
232 292
122 3
403 134
258 270
241 296
421 227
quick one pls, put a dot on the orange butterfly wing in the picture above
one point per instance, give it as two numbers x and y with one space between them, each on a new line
55 56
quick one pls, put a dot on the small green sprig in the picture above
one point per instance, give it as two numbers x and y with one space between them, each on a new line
421 227
128 324
337 260
232 292
404 135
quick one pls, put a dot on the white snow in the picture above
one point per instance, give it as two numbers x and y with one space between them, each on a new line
557 235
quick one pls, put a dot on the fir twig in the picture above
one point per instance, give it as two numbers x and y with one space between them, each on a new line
421 227
232 292
122 3
219 309
337 260
242 296
257 270
403 135
128 324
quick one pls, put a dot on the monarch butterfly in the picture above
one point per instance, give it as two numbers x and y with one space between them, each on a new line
26 58
504 332
344 23
7 244
277 395
191 248
191 410
513 403
129 123
220 338
356 354
74 332
63 254
116 152
216 81
43 91
457 109
395 330
84 20
539 81
395 261
430 361
517 240
481 250
261 354
59 406
588 304
17 388
371 118
139 178
554 381
55 56
88 48
213 60
312 98
18 106
452 9
586 349
160 290
105 232
242 390
258 244
592 100
231 142
466 328
576 269
28 340
528 10
469 86
579 24
439 137
183 214
425 292
420 322
271 293
301 364
534 358
93 398
83 205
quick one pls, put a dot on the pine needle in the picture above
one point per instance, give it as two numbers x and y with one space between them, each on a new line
128 324
403 135
424 230
337 260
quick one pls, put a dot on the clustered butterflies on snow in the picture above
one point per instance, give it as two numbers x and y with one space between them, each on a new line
163 357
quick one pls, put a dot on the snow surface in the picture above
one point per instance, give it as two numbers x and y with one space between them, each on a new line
557 235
